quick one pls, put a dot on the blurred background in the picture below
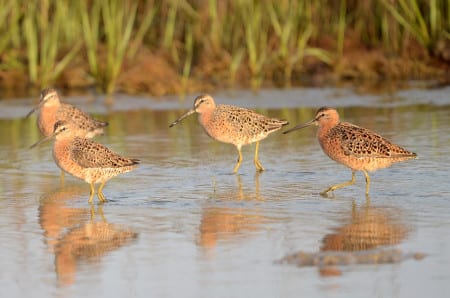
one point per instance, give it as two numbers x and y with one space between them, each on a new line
177 47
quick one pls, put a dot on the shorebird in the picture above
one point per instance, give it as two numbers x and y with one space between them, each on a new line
233 125
86 159
355 147
50 110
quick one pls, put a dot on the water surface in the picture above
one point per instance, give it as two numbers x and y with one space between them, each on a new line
183 225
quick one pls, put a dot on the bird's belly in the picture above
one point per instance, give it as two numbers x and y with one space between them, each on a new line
363 163
234 136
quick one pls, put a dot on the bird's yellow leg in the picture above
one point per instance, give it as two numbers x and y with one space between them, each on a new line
367 181
258 164
91 195
337 186
100 192
239 161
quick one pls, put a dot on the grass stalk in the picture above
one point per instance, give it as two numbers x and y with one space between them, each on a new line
118 19
189 52
31 43
90 21
236 62
215 31
169 31
341 27
255 40
145 22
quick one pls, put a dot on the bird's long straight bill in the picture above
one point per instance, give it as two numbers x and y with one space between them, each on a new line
300 126
44 139
34 109
182 117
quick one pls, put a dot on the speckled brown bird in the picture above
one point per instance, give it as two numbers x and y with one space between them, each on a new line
233 125
85 159
355 147
50 110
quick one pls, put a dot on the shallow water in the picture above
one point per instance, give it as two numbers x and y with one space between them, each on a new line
183 225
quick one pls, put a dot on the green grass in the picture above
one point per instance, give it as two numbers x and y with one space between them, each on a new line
46 42
424 20
247 38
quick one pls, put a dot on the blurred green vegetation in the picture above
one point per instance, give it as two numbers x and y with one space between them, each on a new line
93 43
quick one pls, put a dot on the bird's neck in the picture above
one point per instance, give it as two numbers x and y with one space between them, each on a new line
324 129
204 118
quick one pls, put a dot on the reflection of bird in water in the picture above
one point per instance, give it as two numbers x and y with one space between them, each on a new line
74 234
88 242
85 159
225 223
358 241
355 147
233 125
55 215
369 228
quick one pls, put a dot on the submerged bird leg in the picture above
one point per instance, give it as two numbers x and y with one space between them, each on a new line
258 164
91 195
92 211
239 161
367 181
337 186
100 212
367 200
100 194
62 178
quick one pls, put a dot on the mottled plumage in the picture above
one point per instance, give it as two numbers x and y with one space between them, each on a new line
89 154
358 148
85 159
233 125
52 110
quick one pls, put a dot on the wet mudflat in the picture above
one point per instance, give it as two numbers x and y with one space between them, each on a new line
183 225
